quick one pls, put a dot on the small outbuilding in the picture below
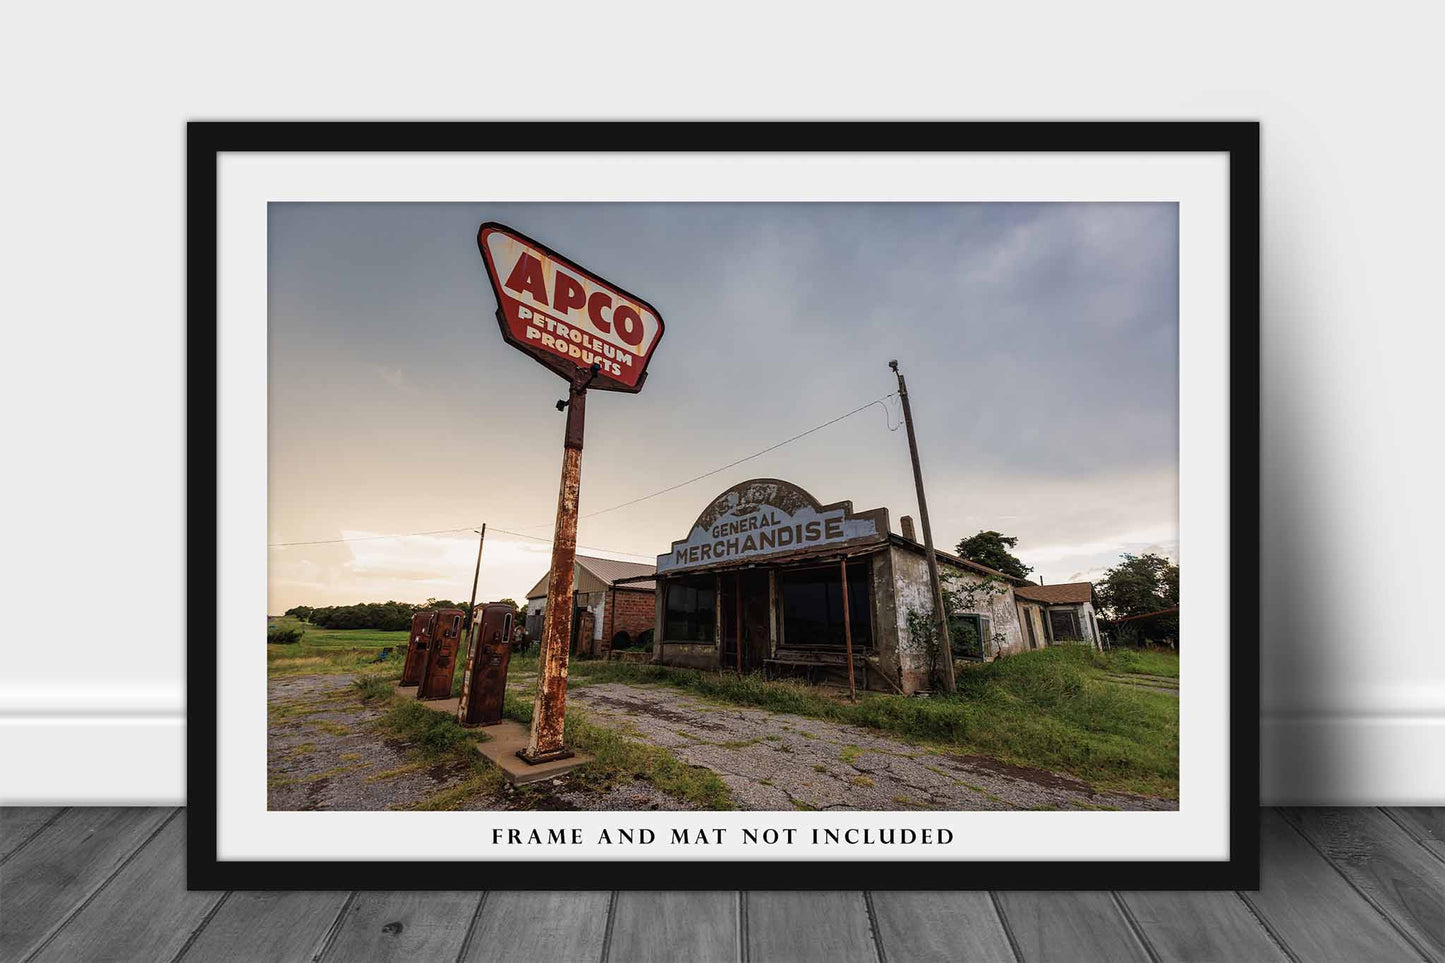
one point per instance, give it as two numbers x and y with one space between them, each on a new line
1059 613
616 599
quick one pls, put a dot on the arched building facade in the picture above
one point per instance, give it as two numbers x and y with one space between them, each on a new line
758 584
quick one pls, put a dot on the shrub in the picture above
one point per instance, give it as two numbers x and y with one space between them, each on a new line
434 734
284 635
373 687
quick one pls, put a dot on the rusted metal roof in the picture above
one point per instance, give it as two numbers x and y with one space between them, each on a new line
1069 593
605 571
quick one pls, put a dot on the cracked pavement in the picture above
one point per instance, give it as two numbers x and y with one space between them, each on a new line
777 761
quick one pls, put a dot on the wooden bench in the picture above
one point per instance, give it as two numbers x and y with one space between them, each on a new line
811 667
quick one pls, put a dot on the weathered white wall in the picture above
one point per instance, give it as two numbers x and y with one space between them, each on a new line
1034 613
1353 200
598 609
535 610
1091 623
912 590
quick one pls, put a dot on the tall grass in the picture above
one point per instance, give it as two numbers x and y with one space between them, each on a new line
1160 662
436 735
306 659
374 687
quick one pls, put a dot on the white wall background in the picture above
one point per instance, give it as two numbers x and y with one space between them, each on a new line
92 699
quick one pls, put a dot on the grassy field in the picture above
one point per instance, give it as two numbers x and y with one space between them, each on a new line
1058 708
317 637
1157 662
335 651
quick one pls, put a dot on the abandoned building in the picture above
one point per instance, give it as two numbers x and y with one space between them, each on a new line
612 604
758 583
1058 613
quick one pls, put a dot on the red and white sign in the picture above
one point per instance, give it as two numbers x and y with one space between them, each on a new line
564 315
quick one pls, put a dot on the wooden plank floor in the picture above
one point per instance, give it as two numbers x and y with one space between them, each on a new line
108 884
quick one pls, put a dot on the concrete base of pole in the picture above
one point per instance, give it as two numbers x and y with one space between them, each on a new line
542 757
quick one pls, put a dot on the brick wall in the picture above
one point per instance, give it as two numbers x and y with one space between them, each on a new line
628 611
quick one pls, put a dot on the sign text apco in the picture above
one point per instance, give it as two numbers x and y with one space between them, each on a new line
565 316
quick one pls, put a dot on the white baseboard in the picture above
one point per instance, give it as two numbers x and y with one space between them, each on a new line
130 760
139 759
1352 760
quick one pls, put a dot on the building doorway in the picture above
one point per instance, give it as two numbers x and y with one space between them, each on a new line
746 593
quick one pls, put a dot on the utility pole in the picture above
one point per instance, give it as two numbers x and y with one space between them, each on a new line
477 573
549 711
470 635
945 647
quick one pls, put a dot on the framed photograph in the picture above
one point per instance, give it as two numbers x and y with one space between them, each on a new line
723 506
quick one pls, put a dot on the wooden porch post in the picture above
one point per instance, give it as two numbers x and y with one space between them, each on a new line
848 629
738 617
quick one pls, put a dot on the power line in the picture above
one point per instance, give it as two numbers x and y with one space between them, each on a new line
447 531
662 491
591 548
368 538
734 464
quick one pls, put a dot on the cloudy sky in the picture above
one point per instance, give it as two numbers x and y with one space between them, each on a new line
1040 343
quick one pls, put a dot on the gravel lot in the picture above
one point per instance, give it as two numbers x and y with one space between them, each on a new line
323 751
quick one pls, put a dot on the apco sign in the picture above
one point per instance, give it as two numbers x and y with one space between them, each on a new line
564 315
765 517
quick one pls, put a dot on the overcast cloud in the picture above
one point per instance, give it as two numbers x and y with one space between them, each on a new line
1040 342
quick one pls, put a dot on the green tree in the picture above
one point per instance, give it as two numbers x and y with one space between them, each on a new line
992 549
1140 585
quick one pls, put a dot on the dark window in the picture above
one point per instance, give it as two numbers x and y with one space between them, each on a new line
813 606
689 614
1065 624
1028 616
969 635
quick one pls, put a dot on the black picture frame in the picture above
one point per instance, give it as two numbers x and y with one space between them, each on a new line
205 141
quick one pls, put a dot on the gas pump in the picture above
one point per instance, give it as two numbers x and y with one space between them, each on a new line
441 661
416 647
485 682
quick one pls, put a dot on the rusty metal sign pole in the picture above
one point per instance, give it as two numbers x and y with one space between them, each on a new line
945 646
549 711
848 630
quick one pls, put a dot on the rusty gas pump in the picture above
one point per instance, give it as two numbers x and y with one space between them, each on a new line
441 656
417 646
490 652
